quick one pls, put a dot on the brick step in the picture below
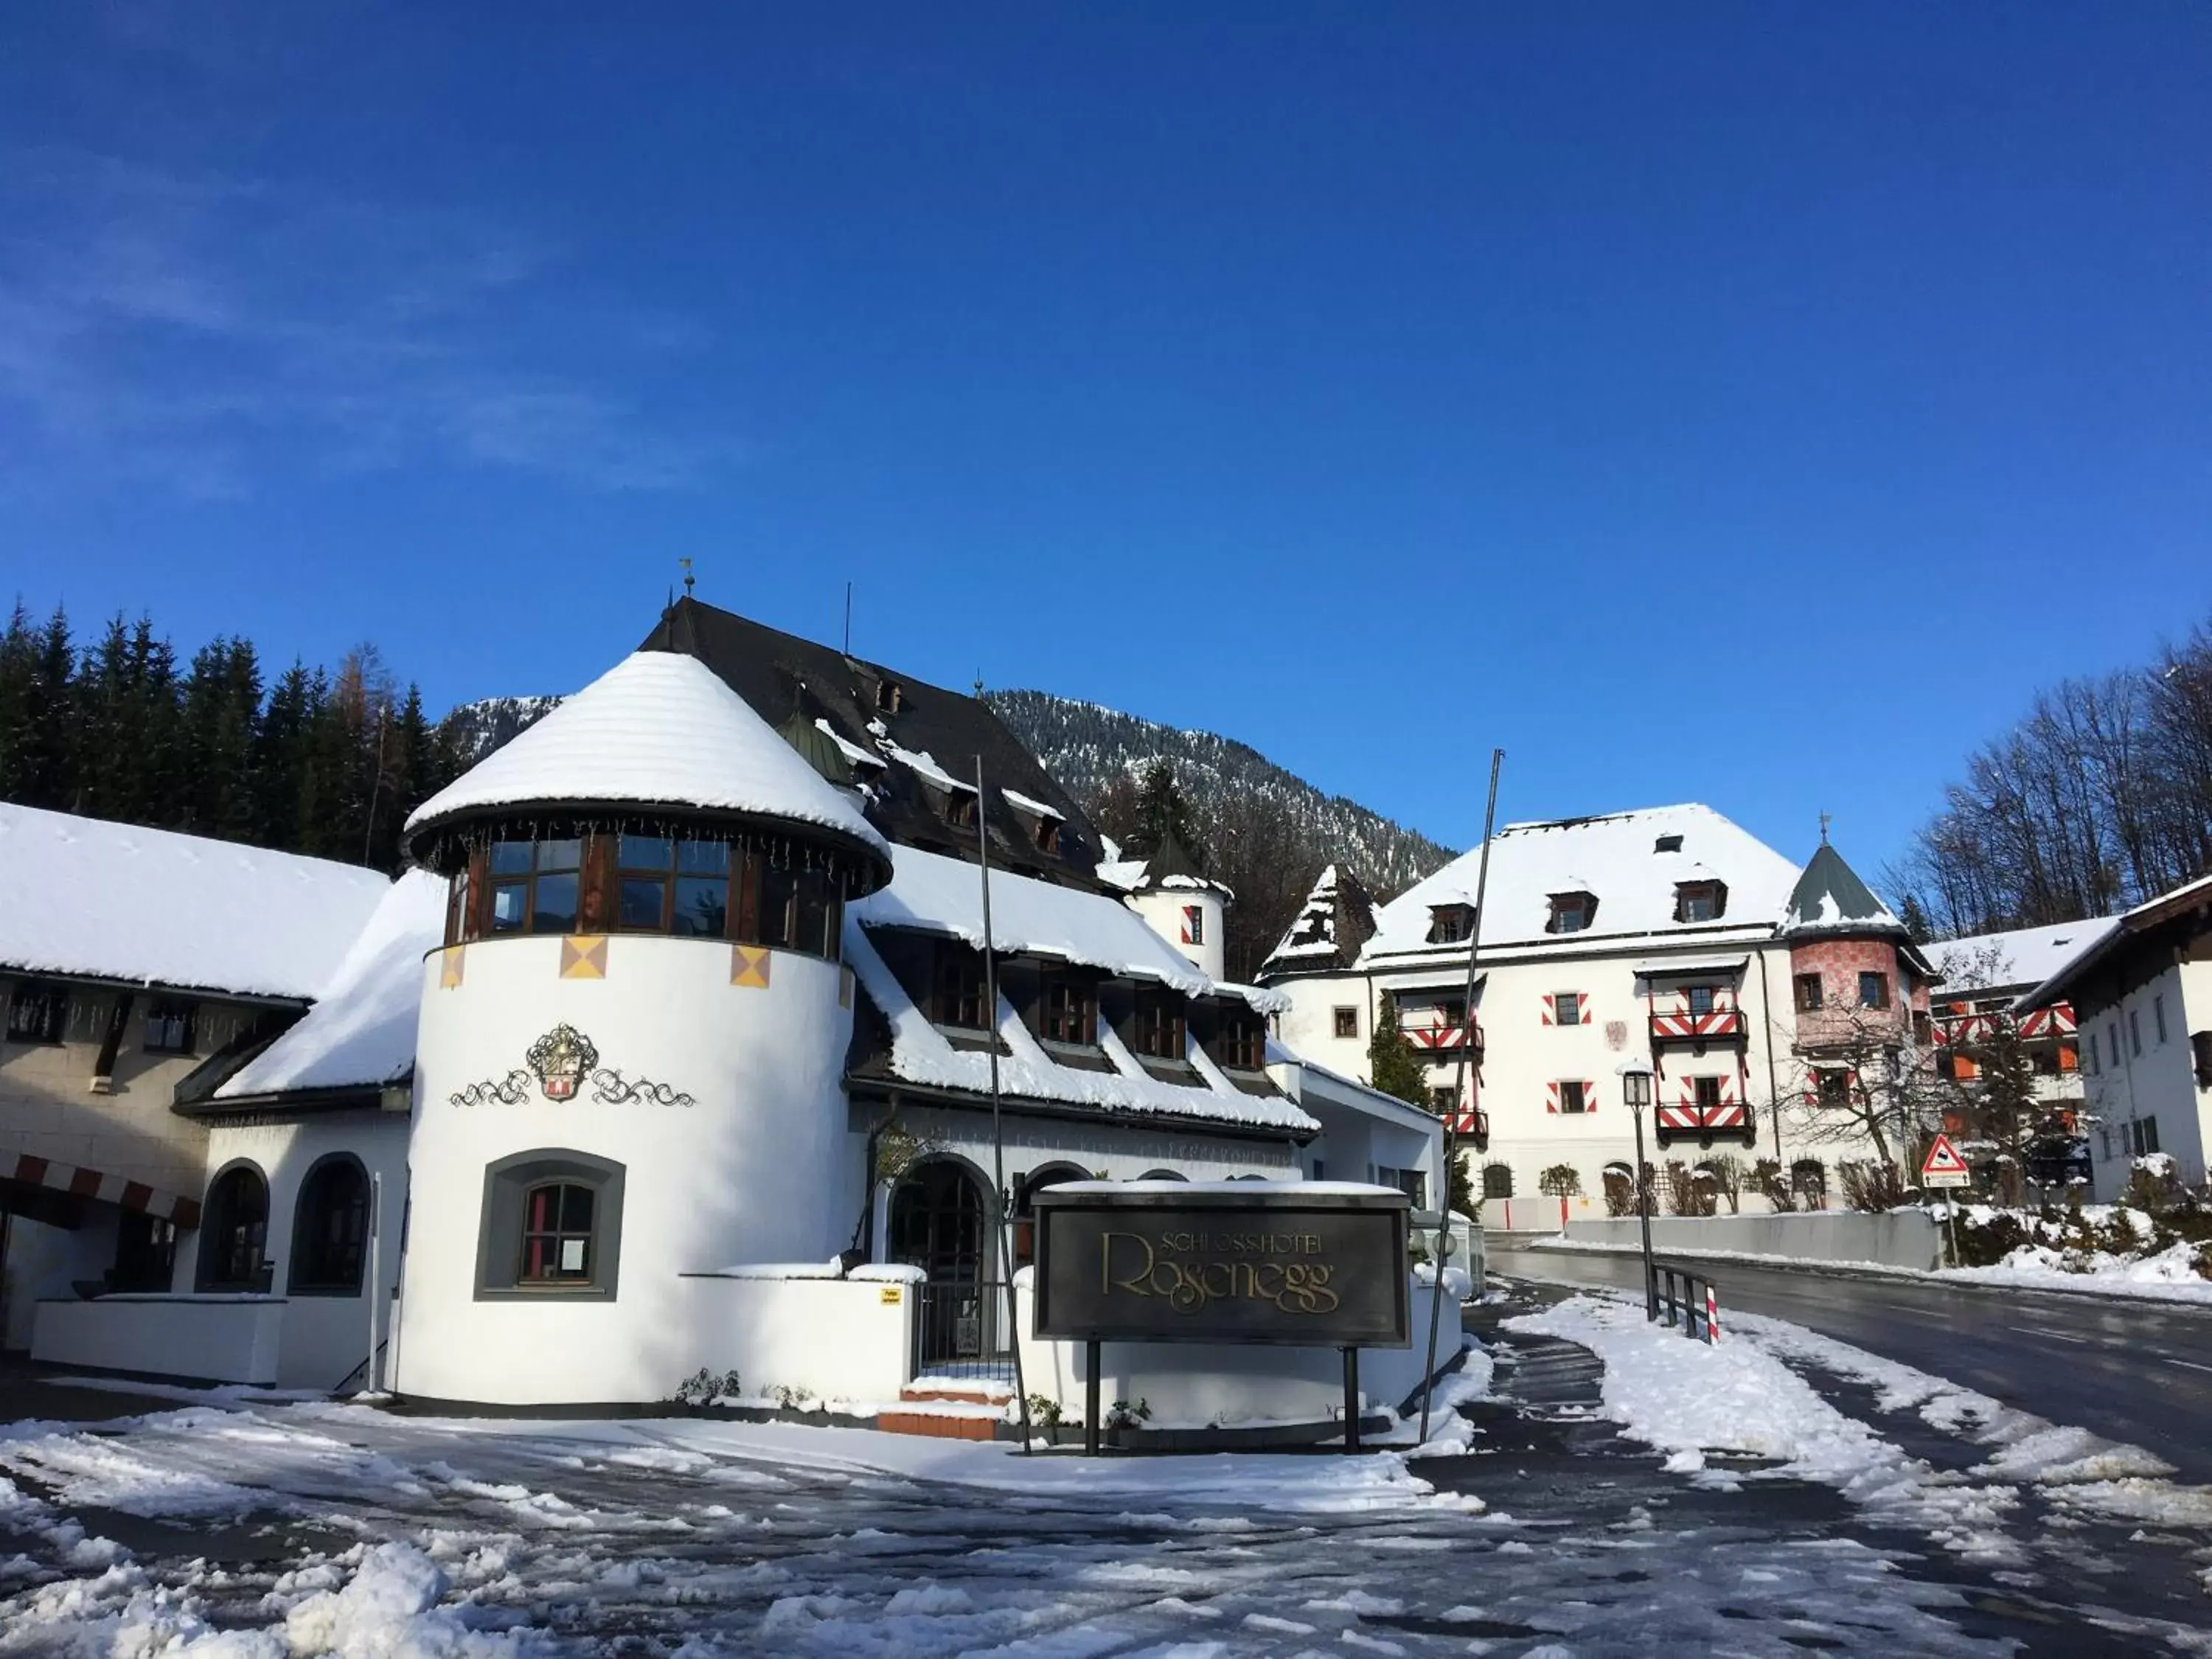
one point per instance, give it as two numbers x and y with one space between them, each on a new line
939 1426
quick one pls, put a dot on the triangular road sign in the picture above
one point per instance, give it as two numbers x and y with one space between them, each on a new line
1943 1159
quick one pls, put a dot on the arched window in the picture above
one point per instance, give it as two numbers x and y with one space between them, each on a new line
235 1231
551 1227
330 1228
1164 1174
936 1222
1498 1181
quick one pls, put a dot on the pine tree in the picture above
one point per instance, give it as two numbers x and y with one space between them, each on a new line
1163 811
1394 1064
2011 1117
18 690
1915 920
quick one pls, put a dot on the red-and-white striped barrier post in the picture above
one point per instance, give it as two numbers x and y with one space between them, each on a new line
1712 1315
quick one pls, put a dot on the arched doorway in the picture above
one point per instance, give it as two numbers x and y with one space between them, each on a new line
235 1231
940 1222
330 1228
1052 1175
1809 1180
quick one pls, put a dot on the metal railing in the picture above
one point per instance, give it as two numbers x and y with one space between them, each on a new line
961 1329
1685 1297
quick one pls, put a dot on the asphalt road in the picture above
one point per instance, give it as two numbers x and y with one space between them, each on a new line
2132 1371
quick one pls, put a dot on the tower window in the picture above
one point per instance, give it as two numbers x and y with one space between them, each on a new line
1809 995
1874 990
1193 924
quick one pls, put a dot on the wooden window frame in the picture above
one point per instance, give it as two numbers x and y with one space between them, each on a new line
1566 1002
1809 992
1687 893
1160 1020
1579 904
1712 994
1345 1022
1881 985
947 1001
1705 1093
1241 1041
1449 923
1580 1096
1077 1025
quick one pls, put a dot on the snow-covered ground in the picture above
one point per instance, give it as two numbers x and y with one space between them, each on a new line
256 1530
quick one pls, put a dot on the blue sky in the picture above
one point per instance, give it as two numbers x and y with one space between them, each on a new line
1747 403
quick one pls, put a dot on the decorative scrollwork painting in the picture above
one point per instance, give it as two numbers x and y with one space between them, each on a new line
561 1061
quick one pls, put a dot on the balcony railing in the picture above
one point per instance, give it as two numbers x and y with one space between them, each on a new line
1966 1030
1680 1025
1437 1035
1729 1117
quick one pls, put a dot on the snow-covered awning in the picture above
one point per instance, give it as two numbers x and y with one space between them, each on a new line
1691 970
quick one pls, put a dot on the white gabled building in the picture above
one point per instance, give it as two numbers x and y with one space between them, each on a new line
681 996
134 961
1667 936
2140 990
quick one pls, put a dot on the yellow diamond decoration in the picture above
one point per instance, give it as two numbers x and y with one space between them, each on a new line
749 966
450 963
584 956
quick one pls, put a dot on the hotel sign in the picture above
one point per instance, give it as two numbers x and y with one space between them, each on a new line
1271 1265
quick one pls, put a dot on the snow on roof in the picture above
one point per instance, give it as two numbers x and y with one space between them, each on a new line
2019 957
920 1055
852 751
1616 857
86 896
2148 914
659 728
940 894
1829 898
1022 803
1312 933
361 1033
1127 874
923 765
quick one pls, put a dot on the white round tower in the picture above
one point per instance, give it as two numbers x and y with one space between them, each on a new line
1183 906
629 1064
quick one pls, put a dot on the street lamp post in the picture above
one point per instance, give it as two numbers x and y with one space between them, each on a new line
1636 1084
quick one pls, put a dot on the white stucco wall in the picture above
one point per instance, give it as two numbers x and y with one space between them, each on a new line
221 1339
840 1340
2149 1079
760 1166
44 1261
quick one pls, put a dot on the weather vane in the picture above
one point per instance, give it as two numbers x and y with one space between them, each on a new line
688 577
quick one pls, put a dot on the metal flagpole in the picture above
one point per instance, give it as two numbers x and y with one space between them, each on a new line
1459 1094
998 1127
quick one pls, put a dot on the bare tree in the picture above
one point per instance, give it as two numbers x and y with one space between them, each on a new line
1864 1080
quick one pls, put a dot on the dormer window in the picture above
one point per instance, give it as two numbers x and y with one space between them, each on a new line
1571 913
1241 1041
1700 901
891 697
957 996
1157 1029
1449 923
1668 844
1068 1011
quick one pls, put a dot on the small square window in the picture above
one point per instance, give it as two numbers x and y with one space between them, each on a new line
1572 1099
1701 999
1442 1101
169 1028
1834 1088
1348 1022
1809 995
510 905
1706 1092
1874 990
1569 1004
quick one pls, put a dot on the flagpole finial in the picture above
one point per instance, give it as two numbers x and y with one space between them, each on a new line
1824 829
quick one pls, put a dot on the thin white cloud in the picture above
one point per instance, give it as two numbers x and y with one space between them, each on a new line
190 328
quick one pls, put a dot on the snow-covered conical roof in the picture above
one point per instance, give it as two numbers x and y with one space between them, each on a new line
658 729
1830 898
1336 920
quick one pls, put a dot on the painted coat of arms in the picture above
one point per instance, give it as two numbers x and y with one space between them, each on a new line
564 1061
